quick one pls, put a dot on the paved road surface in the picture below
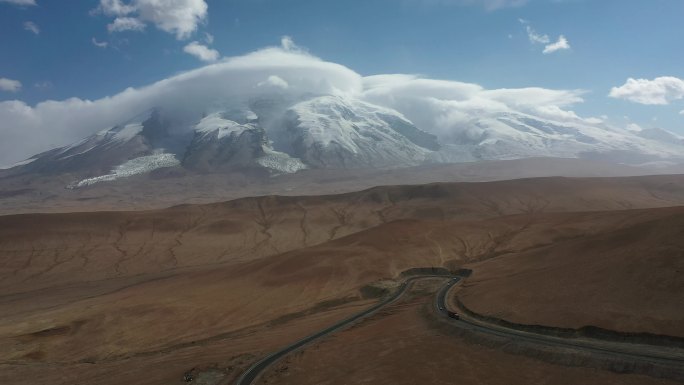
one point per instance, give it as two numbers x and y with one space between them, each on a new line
253 372
640 353
633 352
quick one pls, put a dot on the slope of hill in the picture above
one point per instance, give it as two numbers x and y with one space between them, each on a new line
81 291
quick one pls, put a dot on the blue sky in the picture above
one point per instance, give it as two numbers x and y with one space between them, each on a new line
487 42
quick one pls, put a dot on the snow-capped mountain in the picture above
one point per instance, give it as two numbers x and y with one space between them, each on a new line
322 132
234 140
508 135
334 132
662 136
99 154
277 135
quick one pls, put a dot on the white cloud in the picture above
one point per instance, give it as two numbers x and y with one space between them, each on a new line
179 17
535 37
274 81
32 27
9 85
45 85
26 130
115 8
121 24
661 90
561 44
201 52
20 2
681 112
634 127
489 5
438 106
99 44
288 44
595 120
539 38
445 108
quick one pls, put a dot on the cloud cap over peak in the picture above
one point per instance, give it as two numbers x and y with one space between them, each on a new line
445 107
27 130
437 106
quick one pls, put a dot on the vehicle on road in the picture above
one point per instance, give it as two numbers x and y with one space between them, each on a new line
453 315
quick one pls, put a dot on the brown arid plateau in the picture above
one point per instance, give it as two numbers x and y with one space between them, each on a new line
372 353
146 297
467 192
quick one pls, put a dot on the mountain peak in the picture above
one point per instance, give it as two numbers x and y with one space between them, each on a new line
284 134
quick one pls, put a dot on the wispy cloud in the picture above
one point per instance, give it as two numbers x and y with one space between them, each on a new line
544 39
208 38
121 24
536 37
490 5
560 45
46 85
32 27
22 3
99 44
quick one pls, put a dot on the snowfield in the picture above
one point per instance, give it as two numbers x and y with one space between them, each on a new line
216 123
136 166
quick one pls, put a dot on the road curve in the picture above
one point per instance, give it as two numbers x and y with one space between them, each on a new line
251 374
633 352
639 353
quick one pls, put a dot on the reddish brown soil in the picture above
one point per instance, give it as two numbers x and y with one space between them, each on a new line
628 277
230 353
401 346
39 251
111 297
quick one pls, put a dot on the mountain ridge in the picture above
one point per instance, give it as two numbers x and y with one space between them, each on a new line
277 135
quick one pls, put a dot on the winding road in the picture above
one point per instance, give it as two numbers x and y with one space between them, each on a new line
630 351
639 353
251 374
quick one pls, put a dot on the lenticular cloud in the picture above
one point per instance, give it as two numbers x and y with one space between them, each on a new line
434 105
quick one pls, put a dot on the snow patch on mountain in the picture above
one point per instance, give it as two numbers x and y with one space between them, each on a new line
128 132
141 165
344 121
512 135
217 123
22 163
332 131
660 135
280 162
